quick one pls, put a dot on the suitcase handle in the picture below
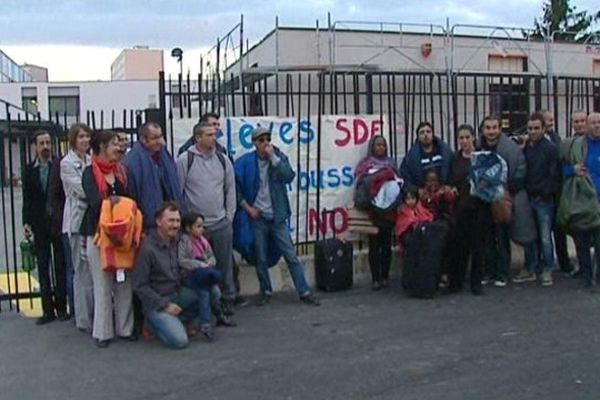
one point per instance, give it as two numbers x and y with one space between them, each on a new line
324 214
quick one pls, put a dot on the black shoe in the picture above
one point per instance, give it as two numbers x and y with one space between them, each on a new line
102 344
454 289
227 307
44 319
240 301
264 299
477 290
226 322
64 316
131 338
310 299
208 332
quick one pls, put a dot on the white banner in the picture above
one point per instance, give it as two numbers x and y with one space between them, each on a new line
344 141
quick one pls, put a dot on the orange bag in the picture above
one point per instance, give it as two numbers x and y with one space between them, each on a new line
119 233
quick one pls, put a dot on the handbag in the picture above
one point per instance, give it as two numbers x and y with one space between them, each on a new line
502 209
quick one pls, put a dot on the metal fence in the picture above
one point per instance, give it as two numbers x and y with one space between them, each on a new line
403 99
16 130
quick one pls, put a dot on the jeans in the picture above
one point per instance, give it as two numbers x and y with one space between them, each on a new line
70 272
539 255
205 282
584 241
380 253
168 328
203 278
268 233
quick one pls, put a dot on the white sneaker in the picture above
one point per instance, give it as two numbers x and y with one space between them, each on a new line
547 278
500 283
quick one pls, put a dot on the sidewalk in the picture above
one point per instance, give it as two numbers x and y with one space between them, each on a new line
521 342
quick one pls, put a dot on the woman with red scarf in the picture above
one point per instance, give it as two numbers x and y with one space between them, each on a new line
105 178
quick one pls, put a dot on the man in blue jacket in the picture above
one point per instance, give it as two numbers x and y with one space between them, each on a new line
261 177
151 173
584 160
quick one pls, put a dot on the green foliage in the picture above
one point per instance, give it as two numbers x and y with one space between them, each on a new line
569 23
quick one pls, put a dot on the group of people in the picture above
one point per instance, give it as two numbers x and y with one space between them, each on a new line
532 189
142 243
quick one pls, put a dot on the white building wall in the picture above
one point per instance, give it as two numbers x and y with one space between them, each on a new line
402 51
98 96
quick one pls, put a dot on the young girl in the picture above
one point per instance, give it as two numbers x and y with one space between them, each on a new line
197 261
438 199
411 214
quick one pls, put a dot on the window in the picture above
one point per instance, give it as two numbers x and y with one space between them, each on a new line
62 105
29 101
63 101
509 95
596 66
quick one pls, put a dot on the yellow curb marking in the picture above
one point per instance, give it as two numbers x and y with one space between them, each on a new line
30 308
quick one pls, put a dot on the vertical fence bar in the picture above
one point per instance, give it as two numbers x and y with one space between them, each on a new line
320 106
298 165
4 213
308 117
441 104
12 211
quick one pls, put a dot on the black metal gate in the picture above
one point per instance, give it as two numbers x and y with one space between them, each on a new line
402 98
16 129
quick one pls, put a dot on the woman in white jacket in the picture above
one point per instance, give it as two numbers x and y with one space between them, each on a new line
71 171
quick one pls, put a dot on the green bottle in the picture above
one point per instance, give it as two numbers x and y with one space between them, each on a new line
28 262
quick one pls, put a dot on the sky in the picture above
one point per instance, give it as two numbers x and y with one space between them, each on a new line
79 39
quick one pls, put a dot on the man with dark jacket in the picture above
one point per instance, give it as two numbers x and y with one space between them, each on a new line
37 220
542 185
262 177
427 152
167 304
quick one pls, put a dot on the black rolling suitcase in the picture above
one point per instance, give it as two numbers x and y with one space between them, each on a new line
424 249
334 265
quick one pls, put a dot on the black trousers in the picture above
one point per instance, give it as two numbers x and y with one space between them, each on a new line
562 252
380 253
471 237
52 291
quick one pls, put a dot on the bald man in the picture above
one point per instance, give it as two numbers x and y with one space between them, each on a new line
579 122
588 144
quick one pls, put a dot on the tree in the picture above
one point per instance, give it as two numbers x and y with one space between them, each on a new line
569 23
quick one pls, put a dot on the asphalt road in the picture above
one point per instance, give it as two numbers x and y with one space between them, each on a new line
520 342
